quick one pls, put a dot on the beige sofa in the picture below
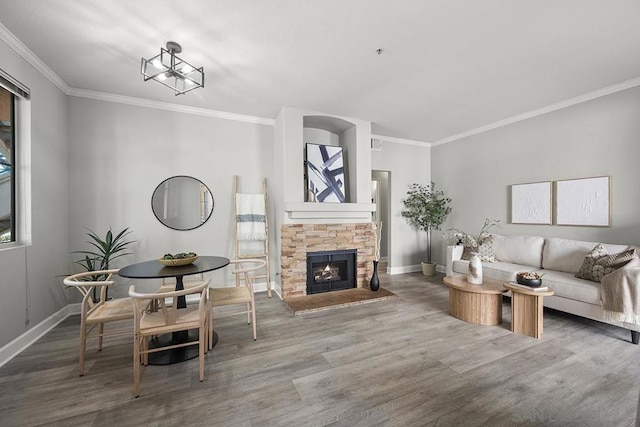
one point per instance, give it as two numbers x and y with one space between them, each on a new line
559 260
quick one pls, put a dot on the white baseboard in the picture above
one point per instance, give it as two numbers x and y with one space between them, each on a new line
262 287
20 343
404 269
412 269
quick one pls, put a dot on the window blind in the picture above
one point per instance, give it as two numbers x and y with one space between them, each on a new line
13 85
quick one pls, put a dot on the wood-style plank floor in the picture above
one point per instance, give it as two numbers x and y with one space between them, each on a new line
400 362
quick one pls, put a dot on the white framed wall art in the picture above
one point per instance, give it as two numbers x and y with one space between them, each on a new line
531 203
584 201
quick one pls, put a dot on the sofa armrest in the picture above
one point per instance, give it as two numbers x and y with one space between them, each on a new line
454 253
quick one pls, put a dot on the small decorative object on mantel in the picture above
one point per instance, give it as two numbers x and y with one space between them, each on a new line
183 258
475 270
374 283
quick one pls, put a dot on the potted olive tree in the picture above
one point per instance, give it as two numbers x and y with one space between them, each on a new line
426 209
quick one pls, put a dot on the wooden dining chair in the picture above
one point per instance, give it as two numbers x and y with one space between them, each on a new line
242 293
168 284
94 314
168 319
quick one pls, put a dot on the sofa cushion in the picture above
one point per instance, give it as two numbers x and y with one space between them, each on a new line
568 255
503 271
524 250
566 285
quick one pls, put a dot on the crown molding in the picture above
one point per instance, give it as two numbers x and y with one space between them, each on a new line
139 102
401 141
619 87
26 53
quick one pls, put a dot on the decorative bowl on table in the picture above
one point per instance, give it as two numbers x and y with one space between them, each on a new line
183 258
532 280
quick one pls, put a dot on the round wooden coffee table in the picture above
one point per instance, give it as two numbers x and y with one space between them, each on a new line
479 304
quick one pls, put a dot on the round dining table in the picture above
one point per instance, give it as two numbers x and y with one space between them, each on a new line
154 269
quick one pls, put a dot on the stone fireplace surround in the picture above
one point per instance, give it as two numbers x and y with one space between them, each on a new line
298 239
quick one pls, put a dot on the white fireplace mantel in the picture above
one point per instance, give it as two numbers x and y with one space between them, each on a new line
343 211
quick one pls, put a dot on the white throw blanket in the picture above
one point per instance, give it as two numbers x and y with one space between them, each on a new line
251 217
620 293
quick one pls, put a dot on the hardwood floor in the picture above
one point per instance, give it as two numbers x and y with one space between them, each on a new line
400 362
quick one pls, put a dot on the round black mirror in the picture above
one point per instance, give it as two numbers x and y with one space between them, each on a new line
182 202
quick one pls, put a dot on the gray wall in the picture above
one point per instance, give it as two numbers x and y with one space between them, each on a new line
120 154
595 138
407 164
29 289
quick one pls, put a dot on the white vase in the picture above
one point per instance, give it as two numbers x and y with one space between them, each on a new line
475 269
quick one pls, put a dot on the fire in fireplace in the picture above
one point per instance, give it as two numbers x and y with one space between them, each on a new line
331 270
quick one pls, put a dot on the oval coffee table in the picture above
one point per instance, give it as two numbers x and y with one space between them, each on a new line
479 304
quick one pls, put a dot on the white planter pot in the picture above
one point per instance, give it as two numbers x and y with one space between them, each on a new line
428 269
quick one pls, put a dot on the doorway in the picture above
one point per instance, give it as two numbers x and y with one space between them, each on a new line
380 196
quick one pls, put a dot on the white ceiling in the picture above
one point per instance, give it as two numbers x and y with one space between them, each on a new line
447 67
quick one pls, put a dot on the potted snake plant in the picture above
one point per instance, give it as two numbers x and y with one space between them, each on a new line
105 250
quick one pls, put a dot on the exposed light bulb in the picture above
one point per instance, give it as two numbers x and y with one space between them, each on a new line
162 77
156 63
186 69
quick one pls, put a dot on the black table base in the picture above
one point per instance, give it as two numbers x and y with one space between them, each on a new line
175 355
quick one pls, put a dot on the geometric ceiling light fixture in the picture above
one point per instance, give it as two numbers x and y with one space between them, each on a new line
172 71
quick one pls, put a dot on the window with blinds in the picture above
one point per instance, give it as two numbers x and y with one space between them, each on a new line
11 91
7 166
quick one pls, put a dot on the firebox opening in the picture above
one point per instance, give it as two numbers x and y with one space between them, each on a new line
331 271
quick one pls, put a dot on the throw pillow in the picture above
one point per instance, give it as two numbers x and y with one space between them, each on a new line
486 252
593 270
617 260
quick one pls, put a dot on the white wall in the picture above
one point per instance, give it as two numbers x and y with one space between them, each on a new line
29 289
320 136
407 164
120 153
599 137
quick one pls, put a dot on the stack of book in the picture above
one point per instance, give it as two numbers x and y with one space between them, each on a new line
538 289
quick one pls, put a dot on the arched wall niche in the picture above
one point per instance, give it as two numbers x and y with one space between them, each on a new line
333 131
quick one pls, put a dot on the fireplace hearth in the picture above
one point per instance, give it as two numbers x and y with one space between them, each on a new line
331 270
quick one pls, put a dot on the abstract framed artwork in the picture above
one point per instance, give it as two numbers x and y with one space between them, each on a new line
584 201
531 203
325 174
